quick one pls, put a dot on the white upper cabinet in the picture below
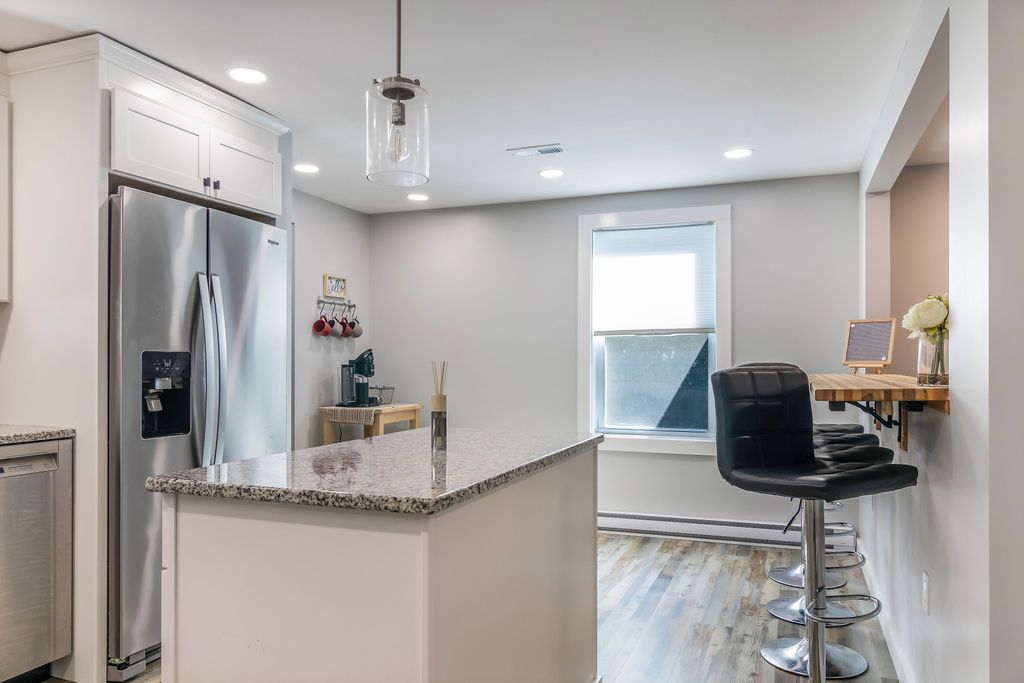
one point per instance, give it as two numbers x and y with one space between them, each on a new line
245 173
152 141
188 151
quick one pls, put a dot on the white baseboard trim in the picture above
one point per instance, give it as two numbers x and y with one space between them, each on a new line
884 621
718 530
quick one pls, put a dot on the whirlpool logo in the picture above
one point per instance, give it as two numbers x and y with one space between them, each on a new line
276 244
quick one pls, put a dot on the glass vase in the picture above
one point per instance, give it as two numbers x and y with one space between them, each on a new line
933 360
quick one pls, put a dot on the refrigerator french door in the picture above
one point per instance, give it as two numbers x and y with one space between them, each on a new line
198 376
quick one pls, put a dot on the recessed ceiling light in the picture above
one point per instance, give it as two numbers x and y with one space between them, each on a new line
740 153
418 197
306 168
551 173
244 74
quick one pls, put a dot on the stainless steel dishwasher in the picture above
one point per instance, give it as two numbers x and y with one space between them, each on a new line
35 555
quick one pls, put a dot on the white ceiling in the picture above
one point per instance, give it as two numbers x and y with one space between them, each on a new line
644 94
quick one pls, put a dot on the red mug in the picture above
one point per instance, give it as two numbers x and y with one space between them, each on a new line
321 326
346 329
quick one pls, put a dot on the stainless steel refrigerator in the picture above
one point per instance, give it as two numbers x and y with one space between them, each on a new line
198 376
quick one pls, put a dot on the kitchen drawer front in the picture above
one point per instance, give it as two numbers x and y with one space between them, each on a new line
245 173
152 141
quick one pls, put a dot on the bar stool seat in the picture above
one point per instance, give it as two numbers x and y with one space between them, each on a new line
844 440
824 479
844 428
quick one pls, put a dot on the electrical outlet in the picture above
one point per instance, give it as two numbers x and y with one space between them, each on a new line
926 594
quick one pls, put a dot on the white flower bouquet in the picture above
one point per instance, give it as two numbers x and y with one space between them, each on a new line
928 322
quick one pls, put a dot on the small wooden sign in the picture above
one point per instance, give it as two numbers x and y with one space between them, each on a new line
335 287
869 343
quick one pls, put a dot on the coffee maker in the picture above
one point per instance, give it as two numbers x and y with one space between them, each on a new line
354 381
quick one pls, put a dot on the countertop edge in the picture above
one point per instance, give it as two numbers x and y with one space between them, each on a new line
34 434
410 505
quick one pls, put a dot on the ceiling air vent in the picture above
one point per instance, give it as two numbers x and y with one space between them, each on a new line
536 150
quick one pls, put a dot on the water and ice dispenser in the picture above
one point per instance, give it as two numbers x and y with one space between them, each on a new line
166 393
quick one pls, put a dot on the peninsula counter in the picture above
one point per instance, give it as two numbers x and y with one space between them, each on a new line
374 561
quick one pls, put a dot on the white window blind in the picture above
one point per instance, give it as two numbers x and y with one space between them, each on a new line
654 279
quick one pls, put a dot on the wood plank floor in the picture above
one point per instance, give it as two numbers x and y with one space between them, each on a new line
676 611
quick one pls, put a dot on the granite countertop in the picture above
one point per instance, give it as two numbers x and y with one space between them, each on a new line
12 434
391 473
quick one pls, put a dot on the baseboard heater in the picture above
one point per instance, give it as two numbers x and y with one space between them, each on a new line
721 530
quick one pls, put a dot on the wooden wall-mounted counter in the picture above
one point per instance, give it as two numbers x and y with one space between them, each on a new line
876 394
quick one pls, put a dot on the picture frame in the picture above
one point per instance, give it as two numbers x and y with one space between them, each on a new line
335 287
868 343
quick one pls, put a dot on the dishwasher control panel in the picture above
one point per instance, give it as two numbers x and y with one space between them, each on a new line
28 464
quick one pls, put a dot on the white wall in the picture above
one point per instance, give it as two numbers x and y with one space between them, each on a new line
1003 55
493 289
919 249
962 522
49 377
327 239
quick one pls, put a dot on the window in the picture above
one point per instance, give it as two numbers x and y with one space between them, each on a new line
652 321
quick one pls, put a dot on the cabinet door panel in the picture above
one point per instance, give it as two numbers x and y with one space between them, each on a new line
154 142
249 174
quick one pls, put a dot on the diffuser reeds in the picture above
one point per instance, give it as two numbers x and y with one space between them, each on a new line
440 368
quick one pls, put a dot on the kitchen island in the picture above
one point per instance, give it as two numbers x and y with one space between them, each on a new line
376 561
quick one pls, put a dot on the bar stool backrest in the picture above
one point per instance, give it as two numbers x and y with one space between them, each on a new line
763 417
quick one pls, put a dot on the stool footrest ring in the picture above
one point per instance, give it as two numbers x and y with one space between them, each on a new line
836 529
813 614
858 560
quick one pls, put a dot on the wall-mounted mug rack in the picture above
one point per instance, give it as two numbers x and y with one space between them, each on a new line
328 322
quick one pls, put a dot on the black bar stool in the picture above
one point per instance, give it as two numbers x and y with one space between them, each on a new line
766 445
835 443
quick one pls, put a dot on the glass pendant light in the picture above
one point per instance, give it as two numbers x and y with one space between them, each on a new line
396 126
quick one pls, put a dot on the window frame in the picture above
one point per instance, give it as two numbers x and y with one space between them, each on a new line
721 217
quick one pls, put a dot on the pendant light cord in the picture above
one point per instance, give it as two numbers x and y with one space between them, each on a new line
398 39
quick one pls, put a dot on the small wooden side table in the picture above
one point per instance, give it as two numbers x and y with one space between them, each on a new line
382 415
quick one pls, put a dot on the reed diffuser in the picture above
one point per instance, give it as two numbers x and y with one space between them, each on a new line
439 409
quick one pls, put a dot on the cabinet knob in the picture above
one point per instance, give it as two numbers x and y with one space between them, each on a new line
206 181
216 184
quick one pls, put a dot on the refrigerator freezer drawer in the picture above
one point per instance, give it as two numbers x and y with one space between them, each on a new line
35 555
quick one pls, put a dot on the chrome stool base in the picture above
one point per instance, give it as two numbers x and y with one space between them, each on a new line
793 577
790 654
792 610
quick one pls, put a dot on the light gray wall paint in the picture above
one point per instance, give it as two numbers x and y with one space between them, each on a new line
327 239
493 290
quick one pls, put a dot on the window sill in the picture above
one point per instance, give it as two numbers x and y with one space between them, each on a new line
630 443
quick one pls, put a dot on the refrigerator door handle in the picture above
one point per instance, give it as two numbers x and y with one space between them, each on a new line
212 377
222 364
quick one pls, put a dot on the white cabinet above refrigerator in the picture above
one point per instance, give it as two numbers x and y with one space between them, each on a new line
156 142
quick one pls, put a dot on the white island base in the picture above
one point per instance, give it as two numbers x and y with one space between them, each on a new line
500 588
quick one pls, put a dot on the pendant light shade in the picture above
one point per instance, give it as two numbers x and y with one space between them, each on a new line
396 126
397 153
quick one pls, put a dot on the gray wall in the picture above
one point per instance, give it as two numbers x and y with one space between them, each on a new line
493 290
328 239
